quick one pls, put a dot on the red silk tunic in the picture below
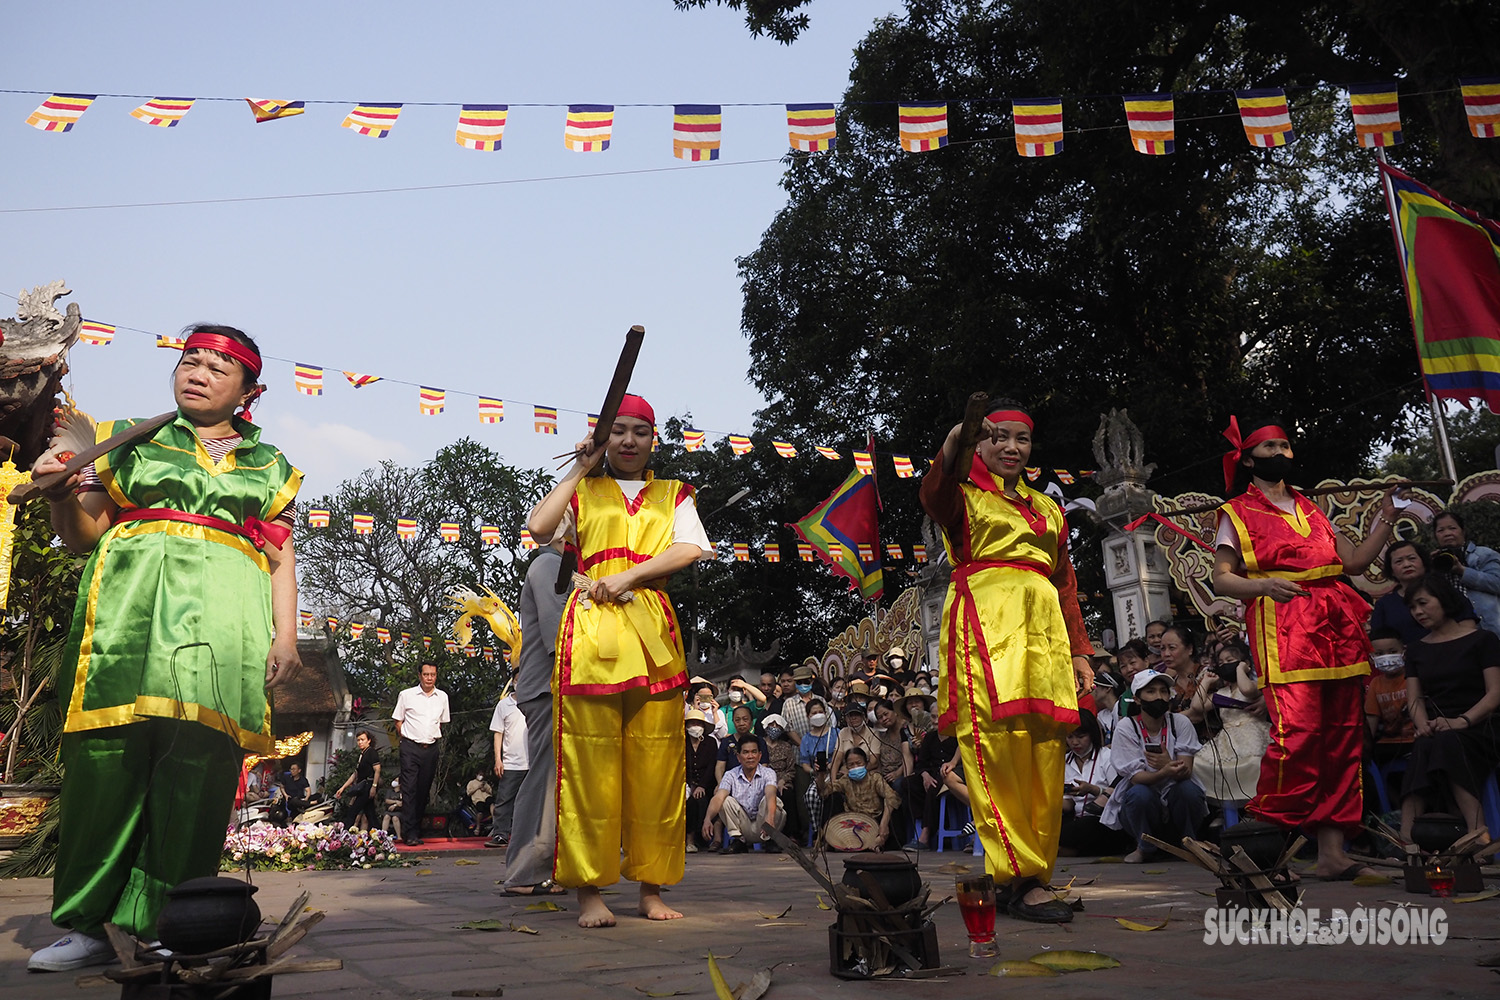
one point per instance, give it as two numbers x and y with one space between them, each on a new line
1317 637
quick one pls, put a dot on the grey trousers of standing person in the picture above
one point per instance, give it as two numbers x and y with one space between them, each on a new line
737 821
533 829
504 807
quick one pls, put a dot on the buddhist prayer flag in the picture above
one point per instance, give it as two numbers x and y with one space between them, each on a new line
811 128
491 411
308 379
740 445
382 633
430 402
919 552
471 650
773 552
364 523
305 619
593 421
1032 472
527 542
894 551
406 637
844 523
356 629
426 642
805 552
373 120
333 623
695 131
481 126
317 517
1151 121
449 531
742 551
785 449
588 127
924 126
1451 260
360 381
1063 476
864 463
163 112
1039 129
866 553
270 111
60 112
903 466
692 440
96 333
1481 103
544 419
406 528
1377 114
174 343
489 534
450 645
489 653
828 453
1266 117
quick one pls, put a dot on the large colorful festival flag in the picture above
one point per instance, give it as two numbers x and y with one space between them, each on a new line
864 463
740 445
1377 114
692 440
919 552
805 552
527 542
1266 117
904 468
785 449
1451 260
170 342
356 629
489 534
163 112
406 528
828 453
317 517
588 127
373 120
1152 123
1039 128
60 112
894 551
811 128
838 526
448 530
430 401
1482 104
773 552
696 131
360 381
481 126
491 411
93 332
270 111
544 419
363 523
924 126
308 379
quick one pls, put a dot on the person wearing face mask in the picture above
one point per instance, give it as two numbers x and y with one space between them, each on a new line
1153 755
837 691
1386 711
818 746
1278 552
862 790
856 733
782 751
702 755
794 707
705 698
1228 766
748 695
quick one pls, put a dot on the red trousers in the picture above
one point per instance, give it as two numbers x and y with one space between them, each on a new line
1310 775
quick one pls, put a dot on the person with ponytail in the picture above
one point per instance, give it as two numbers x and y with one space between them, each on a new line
617 691
1013 651
170 655
1278 552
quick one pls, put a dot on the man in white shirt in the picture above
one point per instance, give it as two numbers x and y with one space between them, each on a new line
747 798
419 713
511 763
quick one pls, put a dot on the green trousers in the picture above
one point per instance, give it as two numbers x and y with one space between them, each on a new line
143 808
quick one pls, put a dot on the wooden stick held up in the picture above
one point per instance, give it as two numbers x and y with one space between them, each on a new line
1318 491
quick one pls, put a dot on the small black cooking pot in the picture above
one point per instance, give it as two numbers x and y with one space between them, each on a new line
206 914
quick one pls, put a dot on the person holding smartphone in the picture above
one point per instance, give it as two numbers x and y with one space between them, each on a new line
1153 754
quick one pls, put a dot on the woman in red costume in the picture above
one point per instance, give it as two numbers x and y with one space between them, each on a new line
1277 552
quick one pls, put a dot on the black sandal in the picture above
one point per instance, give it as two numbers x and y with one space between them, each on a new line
1051 911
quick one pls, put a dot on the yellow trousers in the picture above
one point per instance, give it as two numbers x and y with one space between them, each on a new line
621 761
1014 771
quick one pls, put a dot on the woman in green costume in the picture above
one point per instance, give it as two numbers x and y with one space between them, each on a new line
171 654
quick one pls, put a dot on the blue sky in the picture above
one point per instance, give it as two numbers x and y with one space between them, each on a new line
521 291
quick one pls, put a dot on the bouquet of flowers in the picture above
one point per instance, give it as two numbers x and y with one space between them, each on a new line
323 846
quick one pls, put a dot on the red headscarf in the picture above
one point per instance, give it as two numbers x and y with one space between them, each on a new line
979 473
635 406
1239 447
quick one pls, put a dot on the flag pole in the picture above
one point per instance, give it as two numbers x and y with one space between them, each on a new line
1439 424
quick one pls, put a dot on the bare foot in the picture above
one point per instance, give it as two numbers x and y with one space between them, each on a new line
652 907
591 909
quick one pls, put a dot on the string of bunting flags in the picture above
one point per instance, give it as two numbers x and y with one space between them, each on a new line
384 635
922 126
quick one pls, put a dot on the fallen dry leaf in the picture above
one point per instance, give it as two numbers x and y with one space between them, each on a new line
1020 968
721 988
784 923
954 868
1134 925
1372 880
424 871
774 916
1074 961
1109 860
664 993
523 929
1153 871
545 906
755 988
822 904
483 925
465 861
1476 897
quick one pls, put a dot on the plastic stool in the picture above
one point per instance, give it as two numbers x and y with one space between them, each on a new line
1231 814
1378 778
944 831
1490 805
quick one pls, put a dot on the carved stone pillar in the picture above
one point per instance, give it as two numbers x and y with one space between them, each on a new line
1135 569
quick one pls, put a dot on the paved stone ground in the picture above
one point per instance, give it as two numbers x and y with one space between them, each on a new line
396 933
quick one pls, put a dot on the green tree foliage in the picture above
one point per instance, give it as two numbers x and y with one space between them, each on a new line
776 18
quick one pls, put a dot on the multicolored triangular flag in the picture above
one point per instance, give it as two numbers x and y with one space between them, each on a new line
924 126
828 453
740 445
773 552
742 551
373 120
430 401
481 126
305 619
1039 128
692 440
489 534
588 127
864 463
308 379
593 422
846 521
1482 104
544 419
696 131
919 552
811 128
317 517
170 342
60 112
363 523
1063 476
491 411
406 528
360 381
1152 122
163 112
333 623
1266 117
904 469
1032 472
785 449
96 333
356 629
1377 114
270 111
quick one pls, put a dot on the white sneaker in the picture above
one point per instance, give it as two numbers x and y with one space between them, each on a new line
74 951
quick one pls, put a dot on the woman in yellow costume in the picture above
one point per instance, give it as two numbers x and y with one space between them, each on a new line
1013 651
620 667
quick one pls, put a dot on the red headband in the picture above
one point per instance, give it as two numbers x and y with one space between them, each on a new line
1016 415
225 345
1238 446
635 406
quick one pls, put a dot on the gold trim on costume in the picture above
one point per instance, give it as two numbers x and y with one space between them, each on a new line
286 494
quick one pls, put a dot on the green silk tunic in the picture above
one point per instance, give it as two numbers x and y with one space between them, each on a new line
174 619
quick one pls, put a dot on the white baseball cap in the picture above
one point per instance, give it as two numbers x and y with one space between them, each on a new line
1145 677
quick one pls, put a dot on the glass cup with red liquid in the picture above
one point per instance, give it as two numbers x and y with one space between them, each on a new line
1440 880
976 901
